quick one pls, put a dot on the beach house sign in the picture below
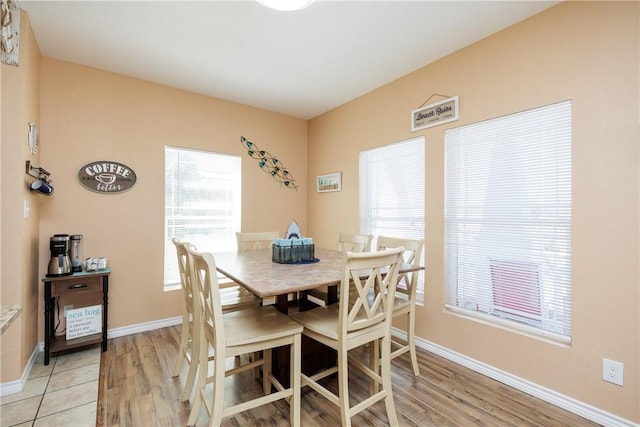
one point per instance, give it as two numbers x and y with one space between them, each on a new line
435 114
107 177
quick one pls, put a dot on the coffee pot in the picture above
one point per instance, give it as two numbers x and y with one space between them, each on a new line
60 262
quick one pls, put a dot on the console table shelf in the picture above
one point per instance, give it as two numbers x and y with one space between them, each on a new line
80 290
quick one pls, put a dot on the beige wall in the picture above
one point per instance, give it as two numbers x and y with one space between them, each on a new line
90 115
588 53
19 244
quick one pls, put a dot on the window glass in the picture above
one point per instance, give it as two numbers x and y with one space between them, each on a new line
392 188
202 203
508 218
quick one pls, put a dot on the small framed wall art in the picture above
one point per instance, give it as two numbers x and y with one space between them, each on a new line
329 182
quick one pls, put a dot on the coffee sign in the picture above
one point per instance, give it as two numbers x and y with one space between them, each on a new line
107 177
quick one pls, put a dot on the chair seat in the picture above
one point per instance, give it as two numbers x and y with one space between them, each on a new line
257 325
325 322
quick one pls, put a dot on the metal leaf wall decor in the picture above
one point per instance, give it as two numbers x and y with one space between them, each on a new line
269 164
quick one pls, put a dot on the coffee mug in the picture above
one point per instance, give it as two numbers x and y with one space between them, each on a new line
41 186
102 263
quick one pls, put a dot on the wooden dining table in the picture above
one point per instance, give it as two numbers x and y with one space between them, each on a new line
255 271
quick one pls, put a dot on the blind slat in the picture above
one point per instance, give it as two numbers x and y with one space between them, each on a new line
202 202
508 217
392 180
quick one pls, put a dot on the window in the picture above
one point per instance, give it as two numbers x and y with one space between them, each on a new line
392 180
202 203
508 219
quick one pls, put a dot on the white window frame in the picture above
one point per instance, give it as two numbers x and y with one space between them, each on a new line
508 220
206 209
392 193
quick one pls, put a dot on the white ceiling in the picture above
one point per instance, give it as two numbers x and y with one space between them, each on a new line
300 63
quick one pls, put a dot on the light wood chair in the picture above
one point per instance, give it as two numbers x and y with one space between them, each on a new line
347 242
404 304
232 298
256 240
362 316
240 332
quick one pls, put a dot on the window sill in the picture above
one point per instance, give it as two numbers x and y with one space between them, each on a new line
485 319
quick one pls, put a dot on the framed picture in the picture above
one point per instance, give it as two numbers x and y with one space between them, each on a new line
330 182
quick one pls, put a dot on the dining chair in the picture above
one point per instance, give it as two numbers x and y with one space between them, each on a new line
255 240
362 316
240 332
404 304
346 242
232 298
354 242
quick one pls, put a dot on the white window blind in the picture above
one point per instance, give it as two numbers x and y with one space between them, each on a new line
508 219
392 189
202 203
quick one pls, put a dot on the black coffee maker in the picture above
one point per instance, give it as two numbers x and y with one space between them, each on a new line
60 263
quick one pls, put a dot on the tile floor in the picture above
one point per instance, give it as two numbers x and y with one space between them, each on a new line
63 393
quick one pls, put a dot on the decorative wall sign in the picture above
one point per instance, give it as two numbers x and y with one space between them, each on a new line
330 182
269 164
435 114
10 46
84 321
107 177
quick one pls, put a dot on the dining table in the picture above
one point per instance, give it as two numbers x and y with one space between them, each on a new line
257 272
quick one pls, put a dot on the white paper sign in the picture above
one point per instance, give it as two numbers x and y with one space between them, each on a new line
84 321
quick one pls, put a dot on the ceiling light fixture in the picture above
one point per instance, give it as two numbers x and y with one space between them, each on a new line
285 5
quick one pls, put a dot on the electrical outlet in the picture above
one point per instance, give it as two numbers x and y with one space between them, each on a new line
613 371
67 308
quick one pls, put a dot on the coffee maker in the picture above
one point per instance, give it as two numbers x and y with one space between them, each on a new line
60 262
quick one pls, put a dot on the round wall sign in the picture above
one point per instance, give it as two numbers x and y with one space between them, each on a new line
107 177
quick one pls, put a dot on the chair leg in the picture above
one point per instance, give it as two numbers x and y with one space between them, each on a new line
266 370
374 363
343 387
218 394
294 379
411 341
184 340
202 379
194 361
386 381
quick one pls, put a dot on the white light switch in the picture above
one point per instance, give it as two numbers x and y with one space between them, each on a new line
27 209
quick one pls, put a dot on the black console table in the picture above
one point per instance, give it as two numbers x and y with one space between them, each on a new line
81 289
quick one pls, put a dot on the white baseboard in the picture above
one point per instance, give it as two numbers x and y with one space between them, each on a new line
565 402
18 385
143 327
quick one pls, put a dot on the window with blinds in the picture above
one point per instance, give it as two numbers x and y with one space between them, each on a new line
508 219
392 189
202 203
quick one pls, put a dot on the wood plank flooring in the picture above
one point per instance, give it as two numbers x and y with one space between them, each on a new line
136 389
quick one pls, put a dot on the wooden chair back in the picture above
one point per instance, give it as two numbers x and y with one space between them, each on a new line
366 291
256 240
349 242
183 269
407 282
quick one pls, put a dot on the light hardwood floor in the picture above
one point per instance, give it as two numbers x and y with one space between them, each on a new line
136 389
